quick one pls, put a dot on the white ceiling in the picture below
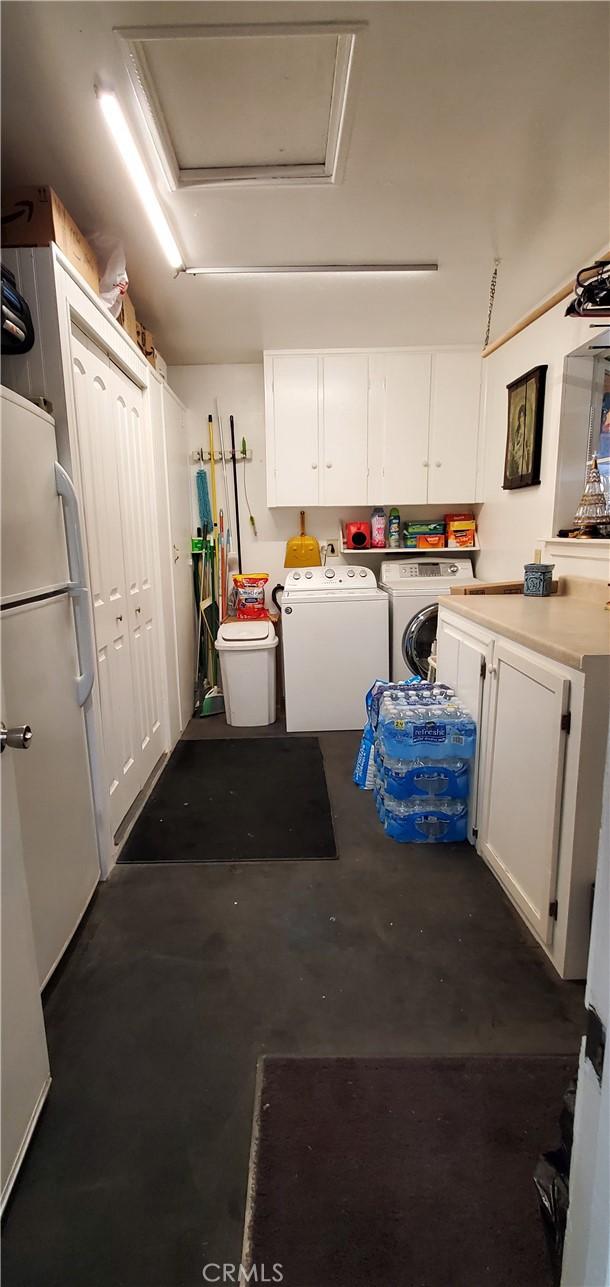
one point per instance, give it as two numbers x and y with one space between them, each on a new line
479 129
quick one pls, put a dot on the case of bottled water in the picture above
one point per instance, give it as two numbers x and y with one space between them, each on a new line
423 743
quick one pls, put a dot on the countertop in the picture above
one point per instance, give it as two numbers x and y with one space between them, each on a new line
566 627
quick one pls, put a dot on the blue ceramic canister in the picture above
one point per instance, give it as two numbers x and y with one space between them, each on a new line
538 579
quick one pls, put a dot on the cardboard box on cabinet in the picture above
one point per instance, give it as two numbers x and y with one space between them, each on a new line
35 217
146 343
127 319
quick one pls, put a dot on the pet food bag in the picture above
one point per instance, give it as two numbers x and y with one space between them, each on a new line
250 595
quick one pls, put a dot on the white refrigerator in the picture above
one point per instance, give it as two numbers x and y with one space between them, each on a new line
47 674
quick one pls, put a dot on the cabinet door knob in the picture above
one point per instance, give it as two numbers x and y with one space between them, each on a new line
426 464
329 464
314 465
120 617
438 463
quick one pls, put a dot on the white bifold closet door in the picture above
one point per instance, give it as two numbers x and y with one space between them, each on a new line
118 504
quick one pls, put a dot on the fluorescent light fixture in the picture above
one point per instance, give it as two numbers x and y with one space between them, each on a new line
124 140
338 269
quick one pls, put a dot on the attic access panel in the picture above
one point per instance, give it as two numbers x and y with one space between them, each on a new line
244 103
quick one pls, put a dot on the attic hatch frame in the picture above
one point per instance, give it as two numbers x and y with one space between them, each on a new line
133 41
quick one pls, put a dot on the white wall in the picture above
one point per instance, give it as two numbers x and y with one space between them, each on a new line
239 389
513 523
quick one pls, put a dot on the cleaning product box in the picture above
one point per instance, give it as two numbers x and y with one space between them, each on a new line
431 541
461 539
36 217
425 527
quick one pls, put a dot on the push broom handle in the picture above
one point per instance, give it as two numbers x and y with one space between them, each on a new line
236 490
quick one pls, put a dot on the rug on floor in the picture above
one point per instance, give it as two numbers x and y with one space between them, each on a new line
413 1172
237 800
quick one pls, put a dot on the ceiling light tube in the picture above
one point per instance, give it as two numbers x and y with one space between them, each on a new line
313 268
126 145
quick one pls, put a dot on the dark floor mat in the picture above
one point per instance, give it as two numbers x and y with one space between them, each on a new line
415 1172
236 801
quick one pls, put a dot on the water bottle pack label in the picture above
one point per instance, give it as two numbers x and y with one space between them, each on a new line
430 731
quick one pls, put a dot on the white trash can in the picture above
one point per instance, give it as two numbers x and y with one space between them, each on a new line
247 662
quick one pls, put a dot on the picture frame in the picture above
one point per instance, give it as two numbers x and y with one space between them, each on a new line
524 429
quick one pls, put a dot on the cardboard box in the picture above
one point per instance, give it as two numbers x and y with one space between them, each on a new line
459 539
36 217
127 319
146 343
424 527
433 541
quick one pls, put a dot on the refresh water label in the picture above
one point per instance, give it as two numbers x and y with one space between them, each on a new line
430 731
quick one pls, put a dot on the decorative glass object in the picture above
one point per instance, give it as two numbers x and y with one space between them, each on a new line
592 517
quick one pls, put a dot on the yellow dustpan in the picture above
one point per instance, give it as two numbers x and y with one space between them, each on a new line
302 551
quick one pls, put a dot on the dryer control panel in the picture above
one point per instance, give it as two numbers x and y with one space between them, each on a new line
335 576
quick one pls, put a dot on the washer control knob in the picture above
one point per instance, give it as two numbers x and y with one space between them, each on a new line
297 576
308 576
350 572
362 571
330 572
453 568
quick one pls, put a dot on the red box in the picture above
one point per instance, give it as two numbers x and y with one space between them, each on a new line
358 536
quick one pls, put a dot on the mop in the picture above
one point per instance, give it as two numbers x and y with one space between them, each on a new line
213 701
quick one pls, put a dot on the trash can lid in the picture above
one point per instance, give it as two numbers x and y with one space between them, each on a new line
240 632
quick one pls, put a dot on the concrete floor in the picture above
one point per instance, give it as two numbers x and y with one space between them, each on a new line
182 975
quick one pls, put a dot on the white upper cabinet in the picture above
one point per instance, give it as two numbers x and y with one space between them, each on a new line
343 467
292 403
357 428
399 409
454 425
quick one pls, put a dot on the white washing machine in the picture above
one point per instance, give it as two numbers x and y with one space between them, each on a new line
335 639
414 587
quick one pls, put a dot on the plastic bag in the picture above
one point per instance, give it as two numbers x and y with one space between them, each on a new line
552 1181
113 272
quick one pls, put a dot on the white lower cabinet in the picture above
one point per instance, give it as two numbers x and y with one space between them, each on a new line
463 662
537 779
523 780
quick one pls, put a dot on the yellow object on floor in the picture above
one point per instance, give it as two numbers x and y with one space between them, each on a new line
302 551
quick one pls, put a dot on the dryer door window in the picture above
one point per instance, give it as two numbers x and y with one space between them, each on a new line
418 639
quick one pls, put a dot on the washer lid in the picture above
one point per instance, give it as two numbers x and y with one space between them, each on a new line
246 631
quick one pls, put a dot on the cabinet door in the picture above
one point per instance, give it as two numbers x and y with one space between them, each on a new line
292 415
399 411
25 1062
102 513
462 663
343 463
454 428
523 781
138 526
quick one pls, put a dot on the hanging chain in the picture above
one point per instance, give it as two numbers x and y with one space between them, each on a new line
492 296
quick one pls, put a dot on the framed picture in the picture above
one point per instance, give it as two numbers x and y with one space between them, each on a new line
524 433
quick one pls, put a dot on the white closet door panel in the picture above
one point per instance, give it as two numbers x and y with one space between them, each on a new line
136 490
179 484
105 544
294 430
343 462
399 410
454 427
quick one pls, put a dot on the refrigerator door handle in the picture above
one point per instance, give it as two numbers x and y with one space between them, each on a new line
77 586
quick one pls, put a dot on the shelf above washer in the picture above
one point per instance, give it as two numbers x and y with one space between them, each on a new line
443 552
